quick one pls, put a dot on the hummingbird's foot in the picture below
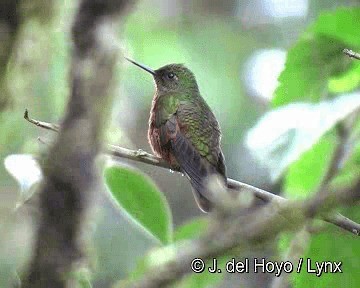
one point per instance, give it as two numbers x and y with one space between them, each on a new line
140 153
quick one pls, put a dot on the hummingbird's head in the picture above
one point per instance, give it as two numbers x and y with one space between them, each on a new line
172 77
175 77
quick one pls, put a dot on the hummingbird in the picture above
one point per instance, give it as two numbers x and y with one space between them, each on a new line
183 130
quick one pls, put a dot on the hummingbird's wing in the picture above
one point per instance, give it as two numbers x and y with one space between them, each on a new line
195 143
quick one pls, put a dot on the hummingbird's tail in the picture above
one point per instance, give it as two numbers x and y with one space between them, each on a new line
201 193
198 169
204 204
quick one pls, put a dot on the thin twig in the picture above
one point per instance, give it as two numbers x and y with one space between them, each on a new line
344 223
343 135
351 54
45 125
147 158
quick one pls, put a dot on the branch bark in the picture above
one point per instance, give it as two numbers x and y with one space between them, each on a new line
141 156
69 172
236 231
351 54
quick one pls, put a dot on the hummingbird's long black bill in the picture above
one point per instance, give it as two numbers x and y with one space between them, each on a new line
147 69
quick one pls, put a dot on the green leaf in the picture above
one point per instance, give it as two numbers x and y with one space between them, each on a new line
304 175
346 82
317 56
141 199
284 134
191 229
342 25
334 245
309 65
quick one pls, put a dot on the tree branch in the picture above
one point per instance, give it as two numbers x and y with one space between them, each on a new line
241 232
69 172
147 158
302 238
351 54
337 159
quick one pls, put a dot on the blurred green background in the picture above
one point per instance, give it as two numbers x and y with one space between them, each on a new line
237 50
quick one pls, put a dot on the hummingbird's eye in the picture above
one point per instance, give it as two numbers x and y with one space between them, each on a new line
171 75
